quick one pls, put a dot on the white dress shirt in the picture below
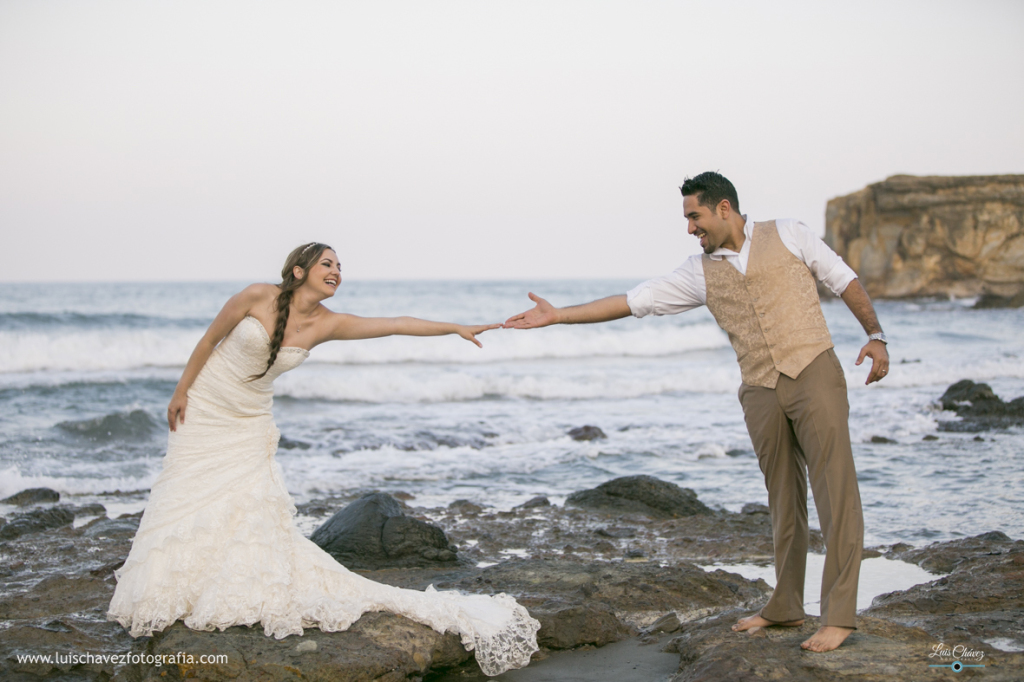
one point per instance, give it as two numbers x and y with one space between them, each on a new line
685 288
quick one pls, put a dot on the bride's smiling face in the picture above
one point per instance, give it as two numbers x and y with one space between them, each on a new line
324 275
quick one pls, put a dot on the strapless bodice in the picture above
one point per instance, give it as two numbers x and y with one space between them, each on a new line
224 380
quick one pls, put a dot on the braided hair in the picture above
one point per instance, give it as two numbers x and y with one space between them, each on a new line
303 256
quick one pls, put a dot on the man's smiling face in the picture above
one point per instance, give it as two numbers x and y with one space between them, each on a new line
705 224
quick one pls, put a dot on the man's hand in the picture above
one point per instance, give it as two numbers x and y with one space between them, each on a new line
541 315
601 310
879 355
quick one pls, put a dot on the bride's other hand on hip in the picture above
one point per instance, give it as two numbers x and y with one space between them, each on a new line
176 410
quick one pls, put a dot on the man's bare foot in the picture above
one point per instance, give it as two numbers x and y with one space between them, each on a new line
827 638
756 622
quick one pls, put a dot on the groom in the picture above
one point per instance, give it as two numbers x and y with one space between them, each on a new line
757 279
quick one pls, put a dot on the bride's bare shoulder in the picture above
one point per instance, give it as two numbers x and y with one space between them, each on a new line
254 299
264 288
259 292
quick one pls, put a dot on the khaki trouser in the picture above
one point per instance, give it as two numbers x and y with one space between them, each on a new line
799 427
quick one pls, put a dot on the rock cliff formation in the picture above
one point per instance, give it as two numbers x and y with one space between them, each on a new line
933 236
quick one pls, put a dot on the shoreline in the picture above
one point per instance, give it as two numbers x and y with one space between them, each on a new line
593 577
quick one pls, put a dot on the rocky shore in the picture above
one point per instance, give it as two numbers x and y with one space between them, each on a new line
618 562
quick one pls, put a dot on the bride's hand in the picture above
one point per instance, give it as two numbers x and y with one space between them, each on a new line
176 410
469 332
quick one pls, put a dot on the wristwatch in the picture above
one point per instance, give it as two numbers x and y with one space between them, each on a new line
878 336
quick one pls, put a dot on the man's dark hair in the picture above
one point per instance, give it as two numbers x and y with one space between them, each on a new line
710 188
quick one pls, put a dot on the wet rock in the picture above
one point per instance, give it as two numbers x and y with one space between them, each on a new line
586 433
36 521
981 599
667 623
112 528
615 532
32 496
881 439
944 557
966 392
566 627
539 501
379 646
877 650
374 532
755 508
930 437
644 494
466 507
721 536
990 300
134 425
979 408
288 444
93 509
637 593
62 636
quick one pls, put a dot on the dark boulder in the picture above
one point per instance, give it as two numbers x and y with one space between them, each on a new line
112 529
534 502
466 507
643 494
990 300
586 433
373 532
566 627
32 496
979 408
965 393
134 425
35 521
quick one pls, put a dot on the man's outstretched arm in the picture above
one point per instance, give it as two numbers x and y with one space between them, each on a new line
544 314
859 303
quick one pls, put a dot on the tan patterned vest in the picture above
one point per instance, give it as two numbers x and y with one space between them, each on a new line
772 315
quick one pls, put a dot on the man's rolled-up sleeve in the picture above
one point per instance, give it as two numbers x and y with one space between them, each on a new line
681 290
826 265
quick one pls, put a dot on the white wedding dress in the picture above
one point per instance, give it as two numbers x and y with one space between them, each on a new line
217 545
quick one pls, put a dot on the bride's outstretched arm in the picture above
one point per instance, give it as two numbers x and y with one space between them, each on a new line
237 307
347 327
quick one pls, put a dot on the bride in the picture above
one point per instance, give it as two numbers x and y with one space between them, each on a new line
217 545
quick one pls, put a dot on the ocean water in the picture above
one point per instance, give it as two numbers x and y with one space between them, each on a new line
86 371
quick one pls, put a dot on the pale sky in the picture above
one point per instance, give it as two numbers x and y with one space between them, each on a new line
486 140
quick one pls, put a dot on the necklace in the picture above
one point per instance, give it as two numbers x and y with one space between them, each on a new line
298 326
